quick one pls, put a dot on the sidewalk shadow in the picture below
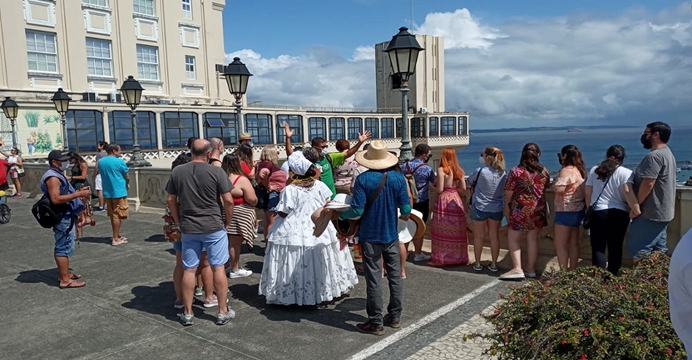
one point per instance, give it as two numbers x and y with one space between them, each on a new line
156 238
48 277
158 300
254 266
338 313
97 240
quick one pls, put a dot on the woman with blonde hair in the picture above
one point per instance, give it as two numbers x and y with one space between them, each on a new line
570 206
487 185
448 225
273 179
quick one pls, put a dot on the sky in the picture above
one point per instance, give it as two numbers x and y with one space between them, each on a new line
509 63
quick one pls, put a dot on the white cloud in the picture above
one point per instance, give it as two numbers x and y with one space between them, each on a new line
627 68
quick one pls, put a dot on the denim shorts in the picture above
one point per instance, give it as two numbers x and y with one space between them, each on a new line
477 215
645 236
569 218
273 200
178 246
64 241
216 245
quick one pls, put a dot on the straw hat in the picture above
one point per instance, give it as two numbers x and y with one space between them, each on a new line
413 228
377 157
245 136
321 220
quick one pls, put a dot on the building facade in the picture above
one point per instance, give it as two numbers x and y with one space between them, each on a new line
174 48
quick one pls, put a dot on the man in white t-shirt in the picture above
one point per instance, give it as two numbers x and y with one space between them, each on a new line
680 291
101 147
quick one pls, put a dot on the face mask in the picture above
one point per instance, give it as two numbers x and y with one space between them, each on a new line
646 142
481 160
64 165
427 159
251 144
324 151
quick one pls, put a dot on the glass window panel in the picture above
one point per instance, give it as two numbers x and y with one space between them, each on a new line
148 62
259 127
434 126
387 127
84 130
120 126
317 128
296 124
373 125
337 128
42 52
355 126
448 126
177 128
463 121
143 7
227 132
417 127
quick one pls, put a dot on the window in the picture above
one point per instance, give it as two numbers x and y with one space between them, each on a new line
99 57
463 122
296 124
337 128
190 67
177 127
434 131
221 125
145 7
103 3
317 127
373 125
121 132
418 127
42 51
84 130
448 126
260 127
148 62
387 128
355 126
187 9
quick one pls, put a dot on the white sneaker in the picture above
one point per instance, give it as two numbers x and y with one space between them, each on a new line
199 291
240 273
421 257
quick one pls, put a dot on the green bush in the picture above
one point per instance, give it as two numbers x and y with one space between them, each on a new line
588 314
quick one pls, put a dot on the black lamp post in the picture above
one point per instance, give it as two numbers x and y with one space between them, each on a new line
11 109
62 104
132 92
237 76
403 52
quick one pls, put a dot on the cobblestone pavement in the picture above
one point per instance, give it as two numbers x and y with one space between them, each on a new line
452 345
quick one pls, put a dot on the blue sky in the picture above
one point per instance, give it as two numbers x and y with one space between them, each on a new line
538 61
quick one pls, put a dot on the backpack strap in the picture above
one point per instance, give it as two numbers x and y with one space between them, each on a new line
374 196
330 161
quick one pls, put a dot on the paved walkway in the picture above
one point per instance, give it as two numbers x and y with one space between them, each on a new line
125 311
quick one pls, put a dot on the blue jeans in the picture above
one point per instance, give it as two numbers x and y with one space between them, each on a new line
216 245
64 239
273 200
478 215
645 236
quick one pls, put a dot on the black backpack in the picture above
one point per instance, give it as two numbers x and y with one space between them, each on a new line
47 214
183 158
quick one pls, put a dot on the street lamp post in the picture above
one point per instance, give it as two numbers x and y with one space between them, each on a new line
403 52
132 92
11 109
237 76
62 104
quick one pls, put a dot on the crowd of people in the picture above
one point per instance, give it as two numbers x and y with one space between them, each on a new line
213 199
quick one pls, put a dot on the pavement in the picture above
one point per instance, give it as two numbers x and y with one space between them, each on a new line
126 309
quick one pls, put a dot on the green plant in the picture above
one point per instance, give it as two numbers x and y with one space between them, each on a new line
31 118
43 143
51 118
588 314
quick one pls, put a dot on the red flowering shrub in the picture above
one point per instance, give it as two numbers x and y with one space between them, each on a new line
588 314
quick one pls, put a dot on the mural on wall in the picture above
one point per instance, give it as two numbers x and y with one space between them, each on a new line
38 131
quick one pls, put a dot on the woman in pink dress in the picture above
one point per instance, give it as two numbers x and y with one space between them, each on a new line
448 225
525 209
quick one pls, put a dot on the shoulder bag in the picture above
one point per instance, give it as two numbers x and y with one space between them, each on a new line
349 227
588 216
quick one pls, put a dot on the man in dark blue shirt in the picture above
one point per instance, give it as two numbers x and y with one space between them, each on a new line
377 194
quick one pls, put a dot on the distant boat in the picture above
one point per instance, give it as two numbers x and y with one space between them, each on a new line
574 130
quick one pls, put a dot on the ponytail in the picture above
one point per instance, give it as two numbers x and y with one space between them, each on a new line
614 158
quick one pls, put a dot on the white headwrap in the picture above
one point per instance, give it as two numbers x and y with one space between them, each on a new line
298 163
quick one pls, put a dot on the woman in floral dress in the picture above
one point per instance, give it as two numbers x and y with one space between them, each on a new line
448 225
525 209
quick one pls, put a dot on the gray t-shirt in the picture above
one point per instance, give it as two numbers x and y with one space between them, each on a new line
489 188
198 186
659 164
101 155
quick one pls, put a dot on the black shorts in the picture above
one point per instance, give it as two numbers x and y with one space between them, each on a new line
424 208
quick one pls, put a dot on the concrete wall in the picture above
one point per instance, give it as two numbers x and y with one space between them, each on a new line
147 192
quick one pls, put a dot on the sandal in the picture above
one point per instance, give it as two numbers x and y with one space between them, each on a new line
73 285
75 277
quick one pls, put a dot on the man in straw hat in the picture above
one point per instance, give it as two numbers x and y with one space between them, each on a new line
377 194
245 138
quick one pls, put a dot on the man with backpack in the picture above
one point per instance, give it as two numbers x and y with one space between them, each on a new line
420 175
62 210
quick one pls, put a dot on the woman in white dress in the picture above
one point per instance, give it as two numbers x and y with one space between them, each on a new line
300 268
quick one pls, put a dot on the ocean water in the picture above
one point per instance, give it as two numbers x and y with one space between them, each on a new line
593 144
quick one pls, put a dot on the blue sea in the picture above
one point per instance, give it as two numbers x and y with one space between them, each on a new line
592 142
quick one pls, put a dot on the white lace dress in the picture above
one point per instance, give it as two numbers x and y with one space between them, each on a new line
300 268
